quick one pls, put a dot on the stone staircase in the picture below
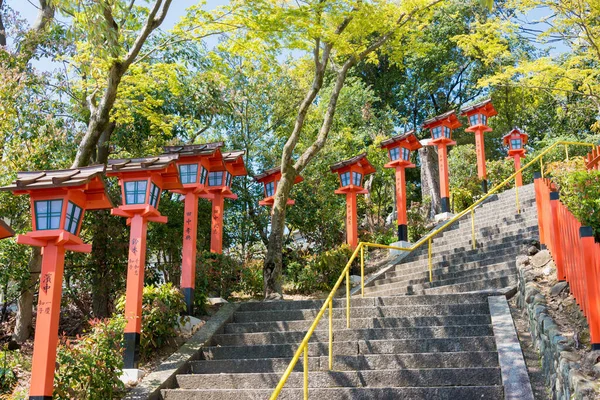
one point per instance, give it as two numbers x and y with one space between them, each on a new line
457 268
437 343
402 347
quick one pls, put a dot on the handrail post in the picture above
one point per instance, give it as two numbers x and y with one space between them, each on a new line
542 167
567 151
517 198
473 229
430 264
362 271
306 372
348 297
330 334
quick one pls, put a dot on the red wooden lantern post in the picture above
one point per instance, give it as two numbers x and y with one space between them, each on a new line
194 164
441 136
516 140
351 173
270 178
478 115
58 201
218 189
142 180
5 230
399 148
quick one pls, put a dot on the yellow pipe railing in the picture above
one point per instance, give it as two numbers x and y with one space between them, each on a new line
328 304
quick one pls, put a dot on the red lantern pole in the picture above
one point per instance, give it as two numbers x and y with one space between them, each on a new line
216 229
399 148
351 173
58 200
519 177
441 136
188 255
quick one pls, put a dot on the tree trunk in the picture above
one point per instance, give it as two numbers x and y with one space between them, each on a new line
430 178
24 319
272 271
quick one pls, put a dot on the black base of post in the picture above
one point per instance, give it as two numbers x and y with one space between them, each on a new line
484 186
131 355
595 346
40 397
445 204
188 296
403 233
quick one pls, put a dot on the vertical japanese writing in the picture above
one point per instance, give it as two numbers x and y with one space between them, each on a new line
46 282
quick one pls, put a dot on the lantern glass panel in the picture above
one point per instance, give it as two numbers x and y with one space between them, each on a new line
437 132
394 153
356 179
154 195
203 174
515 144
447 132
215 178
483 119
135 192
228 179
47 214
345 178
188 173
72 218
473 120
405 154
270 189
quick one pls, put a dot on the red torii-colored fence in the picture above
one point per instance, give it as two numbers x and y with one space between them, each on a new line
592 160
574 250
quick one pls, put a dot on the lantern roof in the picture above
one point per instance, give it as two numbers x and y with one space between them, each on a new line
87 179
359 160
449 119
407 140
515 131
193 149
163 165
273 174
234 162
5 230
483 107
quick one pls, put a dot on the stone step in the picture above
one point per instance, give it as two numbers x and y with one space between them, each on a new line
494 283
346 335
329 379
405 322
439 274
362 362
367 312
283 305
446 267
387 346
466 276
429 393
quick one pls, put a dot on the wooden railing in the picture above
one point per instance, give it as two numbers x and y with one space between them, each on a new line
574 250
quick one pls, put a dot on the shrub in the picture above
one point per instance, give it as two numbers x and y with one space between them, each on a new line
251 280
418 219
217 275
90 366
321 271
9 363
161 315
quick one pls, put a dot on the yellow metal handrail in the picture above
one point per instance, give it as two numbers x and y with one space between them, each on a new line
328 304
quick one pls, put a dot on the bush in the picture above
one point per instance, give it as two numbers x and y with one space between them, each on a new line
418 219
321 271
90 366
161 315
251 281
217 275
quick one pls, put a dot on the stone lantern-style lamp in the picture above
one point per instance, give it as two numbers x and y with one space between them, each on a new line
59 200
218 189
478 115
270 178
399 148
516 140
194 164
142 180
351 173
441 136
5 230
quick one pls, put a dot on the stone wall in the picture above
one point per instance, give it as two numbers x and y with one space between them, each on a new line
569 374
